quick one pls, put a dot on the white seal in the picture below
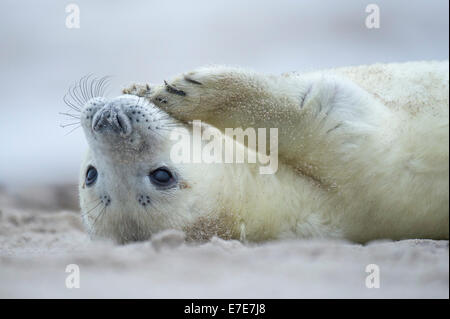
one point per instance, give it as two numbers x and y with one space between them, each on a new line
363 154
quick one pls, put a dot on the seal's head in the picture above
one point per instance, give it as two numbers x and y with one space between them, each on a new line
129 187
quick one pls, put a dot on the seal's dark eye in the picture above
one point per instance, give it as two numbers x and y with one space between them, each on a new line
91 176
162 177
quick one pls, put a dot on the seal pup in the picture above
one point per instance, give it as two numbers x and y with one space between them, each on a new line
363 154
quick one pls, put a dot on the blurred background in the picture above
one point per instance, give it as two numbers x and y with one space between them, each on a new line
149 41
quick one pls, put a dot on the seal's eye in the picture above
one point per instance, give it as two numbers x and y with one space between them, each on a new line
91 175
162 177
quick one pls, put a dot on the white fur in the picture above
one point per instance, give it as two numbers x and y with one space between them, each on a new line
363 155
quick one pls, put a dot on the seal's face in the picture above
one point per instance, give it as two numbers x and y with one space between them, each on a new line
129 187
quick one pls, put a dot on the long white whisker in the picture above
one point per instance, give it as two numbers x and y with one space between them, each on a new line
74 129
70 124
88 212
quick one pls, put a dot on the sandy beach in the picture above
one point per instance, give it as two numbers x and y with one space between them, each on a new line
36 246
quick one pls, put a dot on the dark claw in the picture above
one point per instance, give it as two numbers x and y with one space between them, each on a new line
161 100
174 90
188 79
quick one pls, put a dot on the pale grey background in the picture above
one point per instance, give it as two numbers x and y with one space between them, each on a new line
150 41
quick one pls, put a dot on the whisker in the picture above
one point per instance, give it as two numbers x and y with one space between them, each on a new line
74 129
99 216
91 87
147 208
82 91
77 92
70 115
167 129
172 124
70 104
87 84
88 212
69 124
162 136
104 83
94 201
96 87
82 87
72 92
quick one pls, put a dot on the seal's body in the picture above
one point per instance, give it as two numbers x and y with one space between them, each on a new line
363 154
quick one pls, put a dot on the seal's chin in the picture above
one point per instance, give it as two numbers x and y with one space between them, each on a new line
127 231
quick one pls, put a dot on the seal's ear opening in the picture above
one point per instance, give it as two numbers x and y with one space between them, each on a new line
184 185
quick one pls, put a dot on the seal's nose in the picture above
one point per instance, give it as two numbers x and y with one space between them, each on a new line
111 118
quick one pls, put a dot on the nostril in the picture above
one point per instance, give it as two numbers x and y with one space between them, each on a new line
120 123
96 123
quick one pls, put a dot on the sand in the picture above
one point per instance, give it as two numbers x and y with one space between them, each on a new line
37 244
